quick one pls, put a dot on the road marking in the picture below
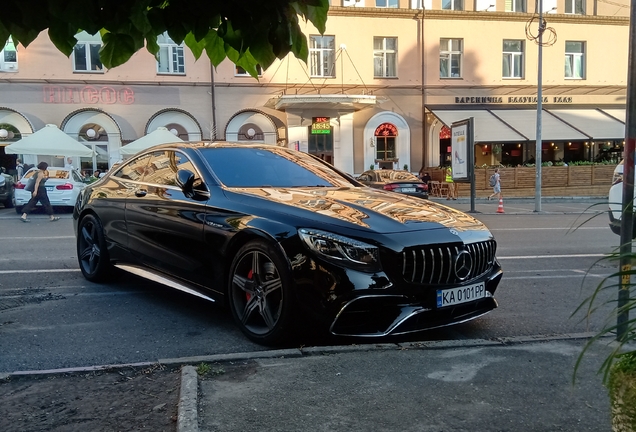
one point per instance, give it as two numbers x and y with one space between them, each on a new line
550 229
38 271
551 256
40 238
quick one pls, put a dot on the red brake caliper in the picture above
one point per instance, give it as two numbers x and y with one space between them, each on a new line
249 276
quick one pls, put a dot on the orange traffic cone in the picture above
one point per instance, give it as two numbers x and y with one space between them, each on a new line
500 208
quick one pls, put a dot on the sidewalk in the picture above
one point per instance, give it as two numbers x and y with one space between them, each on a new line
549 205
517 384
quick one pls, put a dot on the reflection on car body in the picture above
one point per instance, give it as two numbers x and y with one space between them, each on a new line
62 186
396 181
278 235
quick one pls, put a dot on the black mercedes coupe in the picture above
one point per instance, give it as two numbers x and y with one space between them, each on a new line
282 237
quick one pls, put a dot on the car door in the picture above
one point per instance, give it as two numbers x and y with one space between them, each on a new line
165 227
118 188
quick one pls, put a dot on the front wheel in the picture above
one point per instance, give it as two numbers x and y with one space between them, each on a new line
259 293
92 253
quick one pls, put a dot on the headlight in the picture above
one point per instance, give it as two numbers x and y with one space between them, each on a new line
342 250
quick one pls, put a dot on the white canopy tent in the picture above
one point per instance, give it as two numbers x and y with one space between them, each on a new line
159 136
49 141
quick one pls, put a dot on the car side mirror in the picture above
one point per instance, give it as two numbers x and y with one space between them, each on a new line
185 180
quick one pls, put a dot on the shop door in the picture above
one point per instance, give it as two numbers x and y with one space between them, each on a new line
321 145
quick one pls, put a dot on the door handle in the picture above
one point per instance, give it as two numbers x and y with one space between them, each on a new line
141 193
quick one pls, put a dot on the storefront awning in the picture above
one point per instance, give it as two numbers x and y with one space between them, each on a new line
514 125
593 122
488 128
552 129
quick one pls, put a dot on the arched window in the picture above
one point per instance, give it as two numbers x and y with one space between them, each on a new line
385 139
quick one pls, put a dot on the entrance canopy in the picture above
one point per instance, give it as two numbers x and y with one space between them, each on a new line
49 141
515 125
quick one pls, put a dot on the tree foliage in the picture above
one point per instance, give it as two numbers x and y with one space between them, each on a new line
247 32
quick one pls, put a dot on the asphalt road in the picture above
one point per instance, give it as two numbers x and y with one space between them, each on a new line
51 317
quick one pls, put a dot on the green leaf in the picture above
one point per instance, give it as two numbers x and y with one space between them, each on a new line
4 35
116 49
261 49
63 37
139 19
299 46
248 63
151 45
318 15
196 47
215 48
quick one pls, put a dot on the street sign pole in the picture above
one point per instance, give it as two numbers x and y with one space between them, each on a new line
627 218
538 141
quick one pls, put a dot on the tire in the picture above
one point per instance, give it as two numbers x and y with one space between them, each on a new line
92 254
18 209
260 293
8 203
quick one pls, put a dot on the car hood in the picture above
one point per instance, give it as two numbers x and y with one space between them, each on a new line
362 208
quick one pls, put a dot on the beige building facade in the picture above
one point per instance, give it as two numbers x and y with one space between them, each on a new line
380 89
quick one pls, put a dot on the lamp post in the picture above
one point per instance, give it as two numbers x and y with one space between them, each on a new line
538 141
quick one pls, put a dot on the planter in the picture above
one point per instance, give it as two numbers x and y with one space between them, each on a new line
622 391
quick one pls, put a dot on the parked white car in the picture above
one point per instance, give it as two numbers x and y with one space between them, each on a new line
615 200
62 187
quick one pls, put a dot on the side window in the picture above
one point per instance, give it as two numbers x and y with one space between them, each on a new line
133 170
163 166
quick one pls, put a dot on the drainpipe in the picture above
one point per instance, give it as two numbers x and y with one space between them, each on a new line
424 131
213 97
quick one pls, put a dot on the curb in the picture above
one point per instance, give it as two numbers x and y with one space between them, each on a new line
187 416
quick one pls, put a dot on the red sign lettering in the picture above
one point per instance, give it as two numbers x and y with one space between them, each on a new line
88 95
386 129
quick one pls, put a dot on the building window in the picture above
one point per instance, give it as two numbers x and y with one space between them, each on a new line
512 59
453 4
86 53
515 5
575 60
422 4
171 58
9 57
239 71
384 57
450 58
385 143
576 7
386 3
322 56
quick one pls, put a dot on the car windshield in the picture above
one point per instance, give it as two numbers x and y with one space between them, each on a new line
275 167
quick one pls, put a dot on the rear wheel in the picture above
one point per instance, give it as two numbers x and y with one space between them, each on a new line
92 253
18 209
260 293
8 203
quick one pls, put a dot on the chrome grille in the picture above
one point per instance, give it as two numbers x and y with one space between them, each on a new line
434 265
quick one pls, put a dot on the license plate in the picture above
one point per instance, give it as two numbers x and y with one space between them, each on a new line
406 190
460 295
49 188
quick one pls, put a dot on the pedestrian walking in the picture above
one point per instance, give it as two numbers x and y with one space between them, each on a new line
495 182
19 168
39 194
452 187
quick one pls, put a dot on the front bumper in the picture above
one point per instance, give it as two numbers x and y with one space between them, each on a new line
377 315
